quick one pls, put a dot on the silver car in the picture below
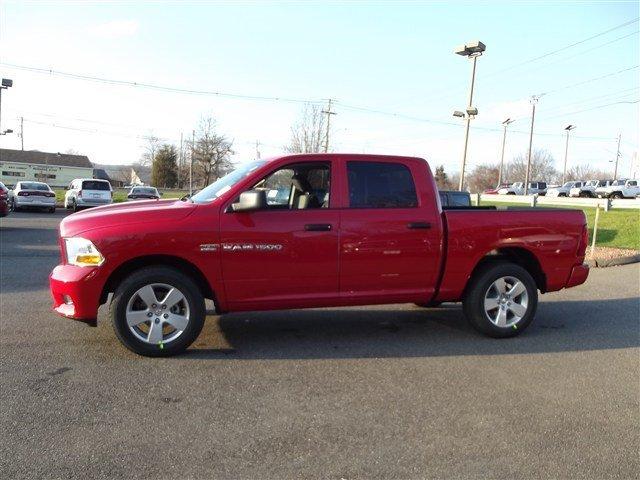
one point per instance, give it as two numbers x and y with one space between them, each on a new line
32 195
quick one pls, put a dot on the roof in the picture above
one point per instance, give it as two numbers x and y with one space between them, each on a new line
44 158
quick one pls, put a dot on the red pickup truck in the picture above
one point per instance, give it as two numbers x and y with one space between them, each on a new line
312 230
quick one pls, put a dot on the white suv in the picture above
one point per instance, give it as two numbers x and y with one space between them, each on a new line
629 189
87 192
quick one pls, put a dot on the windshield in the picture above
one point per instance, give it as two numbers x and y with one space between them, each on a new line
569 184
225 183
35 186
145 191
96 185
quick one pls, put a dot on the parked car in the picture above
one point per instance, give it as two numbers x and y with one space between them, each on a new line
4 200
454 198
563 191
380 237
87 192
494 191
588 190
143 193
620 189
517 188
32 195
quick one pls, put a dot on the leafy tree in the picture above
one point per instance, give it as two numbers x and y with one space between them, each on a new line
164 171
442 179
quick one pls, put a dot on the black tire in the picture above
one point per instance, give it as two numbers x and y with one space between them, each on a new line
52 210
428 304
150 275
12 206
480 283
616 195
74 206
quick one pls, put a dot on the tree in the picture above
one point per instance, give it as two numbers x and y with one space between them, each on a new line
164 171
308 133
542 167
482 177
585 172
150 150
442 180
211 153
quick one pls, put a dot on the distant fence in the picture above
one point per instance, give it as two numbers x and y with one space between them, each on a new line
535 200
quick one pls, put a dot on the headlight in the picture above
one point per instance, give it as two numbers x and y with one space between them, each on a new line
82 253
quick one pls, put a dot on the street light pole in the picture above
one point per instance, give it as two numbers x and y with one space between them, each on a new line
6 83
466 131
534 101
505 124
568 128
472 50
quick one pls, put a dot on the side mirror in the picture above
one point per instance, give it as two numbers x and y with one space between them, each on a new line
251 200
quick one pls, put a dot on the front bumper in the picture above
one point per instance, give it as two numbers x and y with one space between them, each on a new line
578 276
76 291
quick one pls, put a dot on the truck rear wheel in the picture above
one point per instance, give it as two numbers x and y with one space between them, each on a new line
157 312
502 300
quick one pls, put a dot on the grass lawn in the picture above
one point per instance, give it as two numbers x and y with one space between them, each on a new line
616 228
120 195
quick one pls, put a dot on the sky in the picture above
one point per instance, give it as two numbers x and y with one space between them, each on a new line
391 57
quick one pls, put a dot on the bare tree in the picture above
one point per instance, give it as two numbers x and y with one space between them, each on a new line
542 167
123 175
211 152
150 150
482 177
586 172
308 133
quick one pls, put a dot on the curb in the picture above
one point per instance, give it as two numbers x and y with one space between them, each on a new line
614 261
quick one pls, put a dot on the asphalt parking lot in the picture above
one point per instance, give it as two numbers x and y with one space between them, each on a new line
373 392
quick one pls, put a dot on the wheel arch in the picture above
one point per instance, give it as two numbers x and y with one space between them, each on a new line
172 261
518 255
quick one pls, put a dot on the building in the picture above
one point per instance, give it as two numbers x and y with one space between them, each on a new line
56 169
121 175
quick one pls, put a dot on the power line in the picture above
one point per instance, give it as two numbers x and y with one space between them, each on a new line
591 80
129 83
566 47
589 109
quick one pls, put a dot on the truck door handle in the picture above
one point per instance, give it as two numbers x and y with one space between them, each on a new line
419 225
317 227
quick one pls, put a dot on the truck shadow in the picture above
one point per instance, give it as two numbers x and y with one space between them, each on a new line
388 332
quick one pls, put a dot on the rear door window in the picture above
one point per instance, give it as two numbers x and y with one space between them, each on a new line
380 185
94 185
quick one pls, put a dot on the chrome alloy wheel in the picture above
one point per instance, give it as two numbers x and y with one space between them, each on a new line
505 302
157 313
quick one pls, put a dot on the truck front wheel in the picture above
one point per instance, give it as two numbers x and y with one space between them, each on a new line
501 300
157 312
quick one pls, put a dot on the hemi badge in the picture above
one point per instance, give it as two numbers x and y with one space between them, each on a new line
209 247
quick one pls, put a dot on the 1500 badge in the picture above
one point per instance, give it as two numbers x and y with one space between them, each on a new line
242 247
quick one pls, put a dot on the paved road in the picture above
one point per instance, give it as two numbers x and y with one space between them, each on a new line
376 392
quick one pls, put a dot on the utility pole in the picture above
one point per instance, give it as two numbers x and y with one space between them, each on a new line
328 112
534 101
180 159
257 150
193 146
505 124
22 133
568 128
615 171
